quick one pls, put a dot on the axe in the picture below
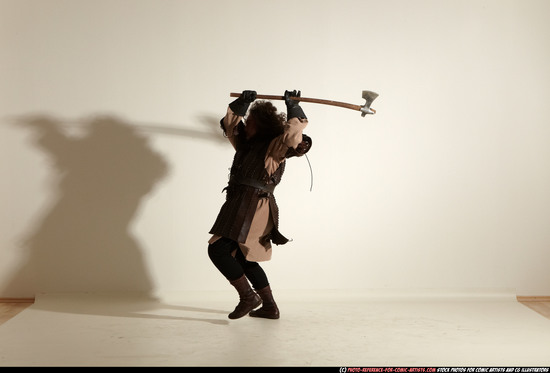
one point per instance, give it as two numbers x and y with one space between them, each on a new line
364 109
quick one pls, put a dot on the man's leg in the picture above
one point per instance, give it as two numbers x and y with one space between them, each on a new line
220 253
258 278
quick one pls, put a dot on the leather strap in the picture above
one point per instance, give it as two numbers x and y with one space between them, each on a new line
269 188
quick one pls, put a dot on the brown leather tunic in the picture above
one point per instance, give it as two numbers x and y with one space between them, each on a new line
250 213
248 183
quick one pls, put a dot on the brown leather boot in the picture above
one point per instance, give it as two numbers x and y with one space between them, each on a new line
269 308
248 298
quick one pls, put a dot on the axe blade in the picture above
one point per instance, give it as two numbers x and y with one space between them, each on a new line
369 97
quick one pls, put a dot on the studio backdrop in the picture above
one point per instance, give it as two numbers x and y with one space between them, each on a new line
113 162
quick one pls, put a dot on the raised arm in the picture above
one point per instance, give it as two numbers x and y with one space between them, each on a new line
235 113
292 142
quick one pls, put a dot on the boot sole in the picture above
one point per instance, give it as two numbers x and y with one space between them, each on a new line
260 316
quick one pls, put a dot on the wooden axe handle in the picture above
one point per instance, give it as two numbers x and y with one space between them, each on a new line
305 99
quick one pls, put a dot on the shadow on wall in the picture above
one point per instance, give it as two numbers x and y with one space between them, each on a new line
84 242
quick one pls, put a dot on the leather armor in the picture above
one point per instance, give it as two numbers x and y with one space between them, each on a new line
248 183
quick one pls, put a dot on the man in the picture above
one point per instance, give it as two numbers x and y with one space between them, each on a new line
248 221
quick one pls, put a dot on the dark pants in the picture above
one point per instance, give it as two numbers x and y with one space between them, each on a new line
233 267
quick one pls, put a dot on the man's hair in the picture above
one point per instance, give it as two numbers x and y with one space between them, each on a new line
269 122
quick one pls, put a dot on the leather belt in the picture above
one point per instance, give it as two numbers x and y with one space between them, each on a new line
269 188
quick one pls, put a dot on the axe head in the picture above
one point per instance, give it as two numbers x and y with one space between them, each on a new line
369 98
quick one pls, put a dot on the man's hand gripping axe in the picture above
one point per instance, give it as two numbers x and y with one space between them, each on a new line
365 109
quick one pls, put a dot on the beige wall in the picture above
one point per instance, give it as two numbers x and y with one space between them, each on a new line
112 162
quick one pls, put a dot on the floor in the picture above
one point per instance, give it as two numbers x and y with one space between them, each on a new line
322 330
